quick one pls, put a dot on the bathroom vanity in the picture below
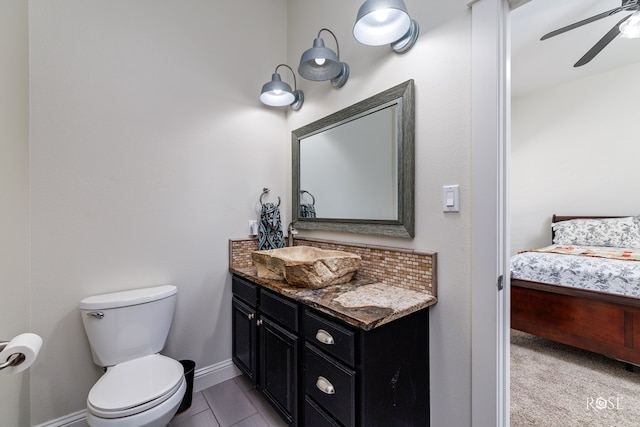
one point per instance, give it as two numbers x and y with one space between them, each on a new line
356 353
331 356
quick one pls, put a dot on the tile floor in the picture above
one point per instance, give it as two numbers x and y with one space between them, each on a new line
233 403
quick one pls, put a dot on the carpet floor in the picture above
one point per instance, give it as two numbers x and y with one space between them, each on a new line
557 385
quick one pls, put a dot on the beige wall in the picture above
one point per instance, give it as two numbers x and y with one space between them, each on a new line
14 200
574 151
440 65
149 149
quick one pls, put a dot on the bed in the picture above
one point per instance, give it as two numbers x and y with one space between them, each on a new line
590 318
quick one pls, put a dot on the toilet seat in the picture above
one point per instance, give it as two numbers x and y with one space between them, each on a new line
135 386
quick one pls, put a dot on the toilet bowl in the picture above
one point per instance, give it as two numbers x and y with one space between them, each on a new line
126 331
144 392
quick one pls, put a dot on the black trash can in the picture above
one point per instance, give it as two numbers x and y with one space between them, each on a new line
189 369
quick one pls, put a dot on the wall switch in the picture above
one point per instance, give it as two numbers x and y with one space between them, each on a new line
451 198
253 228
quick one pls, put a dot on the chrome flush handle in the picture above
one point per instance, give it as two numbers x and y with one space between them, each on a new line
96 314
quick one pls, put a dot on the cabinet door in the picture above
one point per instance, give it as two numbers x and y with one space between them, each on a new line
279 369
244 339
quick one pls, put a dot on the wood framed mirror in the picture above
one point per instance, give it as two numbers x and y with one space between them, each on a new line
354 170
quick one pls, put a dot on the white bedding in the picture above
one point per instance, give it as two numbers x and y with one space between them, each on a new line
614 276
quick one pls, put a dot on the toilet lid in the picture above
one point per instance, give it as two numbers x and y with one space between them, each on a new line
132 387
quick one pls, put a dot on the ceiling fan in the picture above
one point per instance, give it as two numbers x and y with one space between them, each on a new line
627 6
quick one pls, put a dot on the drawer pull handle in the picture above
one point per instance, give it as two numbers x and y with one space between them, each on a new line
325 386
324 337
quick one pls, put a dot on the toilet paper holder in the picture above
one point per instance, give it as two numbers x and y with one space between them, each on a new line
13 360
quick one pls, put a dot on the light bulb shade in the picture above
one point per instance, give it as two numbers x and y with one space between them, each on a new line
276 92
381 22
630 29
319 63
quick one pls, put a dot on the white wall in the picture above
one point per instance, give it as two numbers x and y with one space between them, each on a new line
14 200
440 65
574 151
149 150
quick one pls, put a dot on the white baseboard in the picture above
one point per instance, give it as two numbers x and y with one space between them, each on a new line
77 419
214 374
203 378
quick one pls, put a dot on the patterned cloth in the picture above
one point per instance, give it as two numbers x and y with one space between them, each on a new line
597 252
610 232
616 276
270 235
307 210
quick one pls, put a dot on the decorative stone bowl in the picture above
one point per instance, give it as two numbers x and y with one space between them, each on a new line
306 266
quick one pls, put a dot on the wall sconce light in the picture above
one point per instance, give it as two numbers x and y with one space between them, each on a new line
277 93
382 22
320 63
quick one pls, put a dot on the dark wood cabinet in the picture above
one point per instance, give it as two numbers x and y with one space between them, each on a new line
265 344
317 370
245 350
279 369
377 378
331 385
244 338
316 417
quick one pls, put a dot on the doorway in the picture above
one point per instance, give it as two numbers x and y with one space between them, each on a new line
552 126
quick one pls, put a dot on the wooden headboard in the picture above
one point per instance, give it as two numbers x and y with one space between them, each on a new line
557 218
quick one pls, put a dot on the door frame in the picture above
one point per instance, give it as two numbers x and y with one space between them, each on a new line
490 107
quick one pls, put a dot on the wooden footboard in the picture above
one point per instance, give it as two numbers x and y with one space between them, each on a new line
602 323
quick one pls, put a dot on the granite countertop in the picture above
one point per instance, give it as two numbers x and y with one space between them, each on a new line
361 303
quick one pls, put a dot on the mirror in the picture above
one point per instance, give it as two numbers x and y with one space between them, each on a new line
353 171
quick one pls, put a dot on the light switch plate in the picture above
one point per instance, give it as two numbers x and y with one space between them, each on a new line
451 198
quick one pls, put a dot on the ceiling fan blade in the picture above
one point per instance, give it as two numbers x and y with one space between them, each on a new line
581 23
601 44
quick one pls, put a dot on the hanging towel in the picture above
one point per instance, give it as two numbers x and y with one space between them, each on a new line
307 210
270 235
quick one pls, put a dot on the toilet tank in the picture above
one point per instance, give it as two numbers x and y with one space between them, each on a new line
126 325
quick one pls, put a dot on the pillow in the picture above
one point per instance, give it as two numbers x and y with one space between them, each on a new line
609 232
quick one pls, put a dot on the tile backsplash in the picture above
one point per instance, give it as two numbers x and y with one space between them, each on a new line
405 268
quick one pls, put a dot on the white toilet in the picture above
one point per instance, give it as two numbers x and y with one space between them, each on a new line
126 332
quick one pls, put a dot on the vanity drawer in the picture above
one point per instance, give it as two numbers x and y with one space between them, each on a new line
331 385
316 417
280 309
245 290
329 336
